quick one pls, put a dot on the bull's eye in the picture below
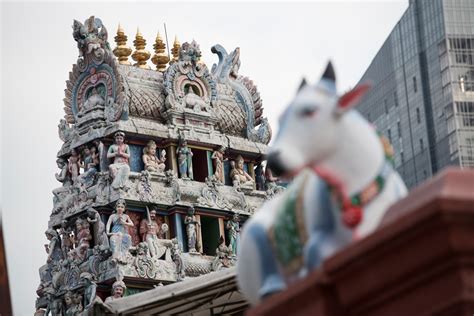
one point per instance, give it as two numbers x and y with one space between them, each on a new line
308 111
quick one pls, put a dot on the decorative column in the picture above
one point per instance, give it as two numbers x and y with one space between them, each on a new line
210 168
178 225
199 235
221 228
172 157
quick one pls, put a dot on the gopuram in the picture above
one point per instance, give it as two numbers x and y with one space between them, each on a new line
158 169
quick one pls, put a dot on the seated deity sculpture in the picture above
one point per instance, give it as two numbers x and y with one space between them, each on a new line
151 162
120 168
94 100
193 101
240 178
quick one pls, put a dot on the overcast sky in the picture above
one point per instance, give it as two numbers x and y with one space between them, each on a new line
279 42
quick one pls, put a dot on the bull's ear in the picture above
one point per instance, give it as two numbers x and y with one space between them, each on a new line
351 98
302 84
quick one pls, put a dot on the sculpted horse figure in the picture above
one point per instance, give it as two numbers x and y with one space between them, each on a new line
344 183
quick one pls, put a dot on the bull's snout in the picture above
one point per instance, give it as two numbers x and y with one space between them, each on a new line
275 163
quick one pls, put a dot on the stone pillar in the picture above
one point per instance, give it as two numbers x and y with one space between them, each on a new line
172 157
199 245
210 168
221 228
178 226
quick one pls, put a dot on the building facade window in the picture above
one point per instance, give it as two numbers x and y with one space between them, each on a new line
418 116
389 135
395 98
399 129
415 85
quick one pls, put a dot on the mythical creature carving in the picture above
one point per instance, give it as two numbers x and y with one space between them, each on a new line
143 262
244 92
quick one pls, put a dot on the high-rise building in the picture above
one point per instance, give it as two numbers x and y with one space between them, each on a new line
423 94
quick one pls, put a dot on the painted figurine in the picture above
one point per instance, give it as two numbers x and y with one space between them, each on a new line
185 161
234 230
151 162
83 238
149 230
90 289
191 229
218 157
74 164
176 257
118 290
120 168
63 176
117 229
240 178
344 183
100 236
53 249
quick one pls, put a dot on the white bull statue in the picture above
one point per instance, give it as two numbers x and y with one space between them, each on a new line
345 182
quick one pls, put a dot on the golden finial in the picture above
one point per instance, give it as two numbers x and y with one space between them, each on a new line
140 55
175 50
122 51
160 59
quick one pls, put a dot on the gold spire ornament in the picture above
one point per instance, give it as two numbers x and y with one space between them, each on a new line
175 49
160 59
122 51
140 55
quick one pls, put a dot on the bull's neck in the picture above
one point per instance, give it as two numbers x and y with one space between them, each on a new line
358 157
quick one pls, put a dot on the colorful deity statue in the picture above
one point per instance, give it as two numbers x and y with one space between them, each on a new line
83 238
117 230
149 231
53 249
218 157
234 230
90 289
151 162
240 178
118 289
191 230
176 257
74 164
120 168
100 236
185 160
63 176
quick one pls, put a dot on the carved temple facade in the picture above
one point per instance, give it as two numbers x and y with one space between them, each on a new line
180 146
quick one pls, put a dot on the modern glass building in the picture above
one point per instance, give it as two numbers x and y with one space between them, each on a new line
423 95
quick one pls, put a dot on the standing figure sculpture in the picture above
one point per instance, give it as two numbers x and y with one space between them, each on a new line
100 236
117 229
191 230
83 238
234 230
240 178
185 160
151 162
90 290
118 289
74 164
120 168
63 176
218 157
149 230
53 249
